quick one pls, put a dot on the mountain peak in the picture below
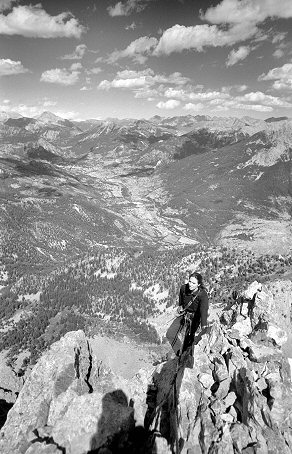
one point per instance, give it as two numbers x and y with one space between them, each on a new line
49 117
4 115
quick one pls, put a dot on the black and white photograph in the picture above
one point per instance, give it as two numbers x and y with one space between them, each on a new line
146 227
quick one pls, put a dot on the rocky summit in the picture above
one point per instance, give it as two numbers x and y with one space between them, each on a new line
230 393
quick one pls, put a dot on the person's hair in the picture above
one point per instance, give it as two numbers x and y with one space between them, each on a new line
198 276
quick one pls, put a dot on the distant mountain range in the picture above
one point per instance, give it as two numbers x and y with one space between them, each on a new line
67 186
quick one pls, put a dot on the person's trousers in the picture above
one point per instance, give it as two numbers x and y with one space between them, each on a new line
174 334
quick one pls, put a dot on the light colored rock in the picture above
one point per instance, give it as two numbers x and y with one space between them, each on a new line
277 334
290 364
226 417
253 288
215 405
206 380
230 399
261 353
243 327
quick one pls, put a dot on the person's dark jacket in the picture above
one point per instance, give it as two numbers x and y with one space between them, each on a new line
199 306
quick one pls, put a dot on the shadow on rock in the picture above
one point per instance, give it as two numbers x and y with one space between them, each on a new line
4 409
116 429
162 416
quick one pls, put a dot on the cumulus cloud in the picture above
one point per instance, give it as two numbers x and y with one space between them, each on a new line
180 37
49 103
232 21
237 55
189 95
77 54
9 67
138 79
278 37
34 22
238 11
281 75
170 104
194 107
278 53
60 76
241 88
256 107
75 66
127 8
95 70
269 100
138 50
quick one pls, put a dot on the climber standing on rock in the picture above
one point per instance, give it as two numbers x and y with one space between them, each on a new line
193 307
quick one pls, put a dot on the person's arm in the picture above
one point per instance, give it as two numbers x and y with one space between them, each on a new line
204 306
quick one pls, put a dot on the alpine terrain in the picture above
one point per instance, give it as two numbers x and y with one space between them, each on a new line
101 222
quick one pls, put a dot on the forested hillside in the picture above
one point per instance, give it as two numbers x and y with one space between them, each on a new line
114 291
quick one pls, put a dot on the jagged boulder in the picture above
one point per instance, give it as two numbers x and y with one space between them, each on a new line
224 395
231 400
10 382
262 308
70 403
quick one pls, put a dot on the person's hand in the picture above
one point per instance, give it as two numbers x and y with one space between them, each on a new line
180 310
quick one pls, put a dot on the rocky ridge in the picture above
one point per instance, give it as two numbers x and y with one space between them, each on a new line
232 394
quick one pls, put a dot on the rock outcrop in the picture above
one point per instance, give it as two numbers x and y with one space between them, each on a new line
230 393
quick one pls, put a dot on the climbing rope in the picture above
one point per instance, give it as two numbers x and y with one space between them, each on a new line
173 389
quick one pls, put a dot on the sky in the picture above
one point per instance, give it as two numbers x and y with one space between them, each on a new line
140 58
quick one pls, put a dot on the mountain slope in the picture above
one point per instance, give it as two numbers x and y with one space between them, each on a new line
135 182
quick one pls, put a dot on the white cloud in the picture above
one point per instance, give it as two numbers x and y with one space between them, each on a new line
185 95
95 70
281 75
127 8
6 4
256 107
34 22
232 21
77 54
60 76
147 93
170 104
131 26
269 100
123 83
194 107
180 37
85 88
241 88
9 67
137 50
138 79
27 111
49 103
70 115
278 37
75 66
237 55
238 11
278 53
6 101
